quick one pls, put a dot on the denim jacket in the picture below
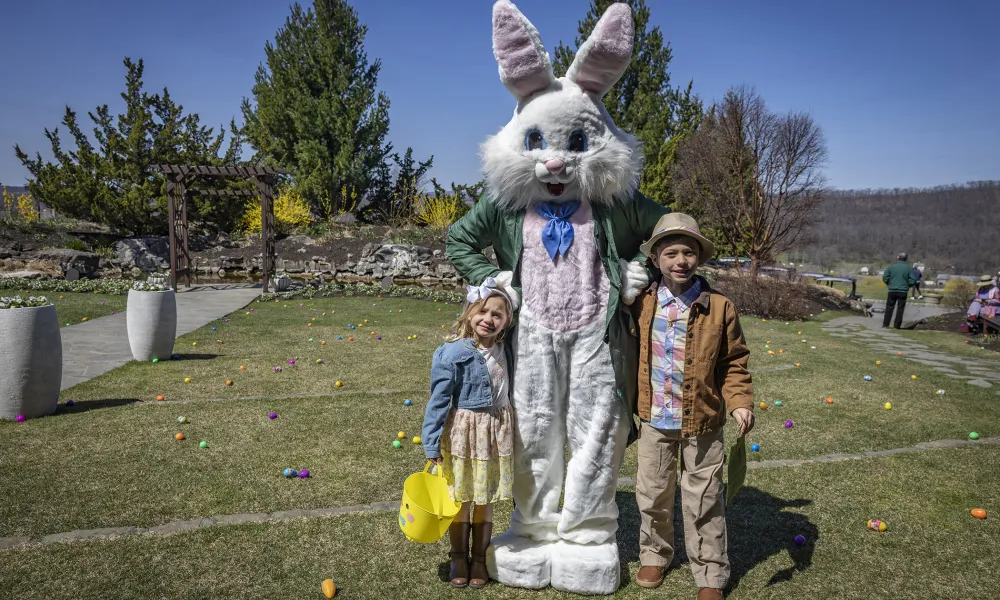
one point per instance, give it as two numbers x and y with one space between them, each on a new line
459 379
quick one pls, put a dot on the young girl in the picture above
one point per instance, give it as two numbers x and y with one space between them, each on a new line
692 368
468 426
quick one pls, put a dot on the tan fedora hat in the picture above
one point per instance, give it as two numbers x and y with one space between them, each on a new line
679 224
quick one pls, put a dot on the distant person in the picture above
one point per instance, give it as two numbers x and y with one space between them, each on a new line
915 287
899 278
987 298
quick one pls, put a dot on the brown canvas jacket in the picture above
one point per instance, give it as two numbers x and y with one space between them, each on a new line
715 370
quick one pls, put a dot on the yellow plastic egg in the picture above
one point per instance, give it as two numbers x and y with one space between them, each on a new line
888 405
401 435
416 439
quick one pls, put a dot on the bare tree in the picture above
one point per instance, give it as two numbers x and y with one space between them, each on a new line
754 177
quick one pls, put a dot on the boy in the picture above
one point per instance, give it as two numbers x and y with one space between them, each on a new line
692 367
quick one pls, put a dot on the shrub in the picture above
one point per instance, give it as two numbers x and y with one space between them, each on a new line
291 212
75 244
109 285
19 302
958 293
439 212
784 298
367 289
145 286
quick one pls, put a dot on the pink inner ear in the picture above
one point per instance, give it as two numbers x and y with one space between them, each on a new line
606 54
522 68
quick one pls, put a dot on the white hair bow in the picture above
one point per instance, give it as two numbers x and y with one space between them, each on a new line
482 292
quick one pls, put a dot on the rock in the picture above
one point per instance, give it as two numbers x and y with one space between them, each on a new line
436 253
26 274
446 271
400 258
302 240
86 263
149 254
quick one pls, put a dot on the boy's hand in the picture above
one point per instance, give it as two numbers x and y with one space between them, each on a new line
634 279
744 420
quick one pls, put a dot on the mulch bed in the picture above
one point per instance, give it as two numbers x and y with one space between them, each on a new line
951 322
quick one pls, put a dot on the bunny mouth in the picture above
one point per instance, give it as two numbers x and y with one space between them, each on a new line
556 189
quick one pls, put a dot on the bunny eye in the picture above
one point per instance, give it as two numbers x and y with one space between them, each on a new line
534 140
577 141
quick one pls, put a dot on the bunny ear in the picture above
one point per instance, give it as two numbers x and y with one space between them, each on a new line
524 64
603 58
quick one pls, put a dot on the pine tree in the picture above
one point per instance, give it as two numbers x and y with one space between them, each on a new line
316 110
643 102
113 182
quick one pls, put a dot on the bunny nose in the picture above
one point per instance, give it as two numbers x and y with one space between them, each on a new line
554 165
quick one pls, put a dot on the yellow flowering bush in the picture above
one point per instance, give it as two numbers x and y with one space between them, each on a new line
291 212
20 207
438 212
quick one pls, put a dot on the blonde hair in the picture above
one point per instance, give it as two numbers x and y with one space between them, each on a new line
463 326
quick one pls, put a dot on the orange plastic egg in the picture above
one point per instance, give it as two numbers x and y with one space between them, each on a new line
763 405
229 382
179 436
329 588
160 398
979 513
829 400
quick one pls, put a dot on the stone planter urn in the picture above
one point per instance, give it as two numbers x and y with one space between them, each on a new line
281 283
30 362
151 319
932 298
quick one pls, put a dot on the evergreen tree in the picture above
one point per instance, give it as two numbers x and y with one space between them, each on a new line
643 102
113 182
316 110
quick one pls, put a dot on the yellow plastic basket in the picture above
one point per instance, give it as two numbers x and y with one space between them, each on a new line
427 509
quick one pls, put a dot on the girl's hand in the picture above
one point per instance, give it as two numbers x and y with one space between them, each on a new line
436 461
744 420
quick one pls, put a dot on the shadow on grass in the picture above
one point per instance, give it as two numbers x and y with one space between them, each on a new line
757 527
196 356
88 405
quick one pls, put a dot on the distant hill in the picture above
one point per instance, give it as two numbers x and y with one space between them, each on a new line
952 229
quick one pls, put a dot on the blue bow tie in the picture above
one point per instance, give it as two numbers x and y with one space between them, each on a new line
558 232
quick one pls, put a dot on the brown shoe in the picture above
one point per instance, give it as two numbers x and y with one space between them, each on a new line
650 577
709 594
481 534
459 572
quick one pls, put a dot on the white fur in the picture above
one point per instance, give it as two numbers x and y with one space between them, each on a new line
585 568
607 171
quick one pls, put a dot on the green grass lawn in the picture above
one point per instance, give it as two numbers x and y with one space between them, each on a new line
75 307
111 460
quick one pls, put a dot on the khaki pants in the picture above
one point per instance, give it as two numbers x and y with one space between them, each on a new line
702 500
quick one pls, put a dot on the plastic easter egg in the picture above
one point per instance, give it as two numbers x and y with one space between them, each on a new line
213 329
755 447
289 473
877 525
304 473
272 415
407 402
323 343
187 380
350 339
203 444
339 383
800 540
899 353
340 337
291 362
868 377
194 343
310 339
788 424
329 588
829 400
179 436
229 382
888 405
973 436
978 513
176 356
243 367
401 435
940 392
319 361
778 403
798 365
155 360
416 439
397 444
19 419
878 363
182 419
763 405
379 338
160 398
69 403
913 376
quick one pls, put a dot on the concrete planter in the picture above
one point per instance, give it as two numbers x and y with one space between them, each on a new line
281 283
30 361
151 318
932 298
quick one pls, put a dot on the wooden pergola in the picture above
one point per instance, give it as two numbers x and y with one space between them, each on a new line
179 178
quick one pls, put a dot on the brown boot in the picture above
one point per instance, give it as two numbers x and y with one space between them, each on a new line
709 594
650 576
481 534
459 572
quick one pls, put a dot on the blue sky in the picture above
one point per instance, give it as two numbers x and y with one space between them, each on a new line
907 92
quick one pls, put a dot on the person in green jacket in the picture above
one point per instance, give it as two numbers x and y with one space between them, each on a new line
565 220
899 277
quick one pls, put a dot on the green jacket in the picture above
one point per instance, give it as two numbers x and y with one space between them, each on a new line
899 277
619 230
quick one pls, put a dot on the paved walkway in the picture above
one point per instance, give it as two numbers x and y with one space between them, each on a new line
984 372
80 535
97 346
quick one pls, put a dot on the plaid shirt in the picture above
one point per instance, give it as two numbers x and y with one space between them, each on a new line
666 373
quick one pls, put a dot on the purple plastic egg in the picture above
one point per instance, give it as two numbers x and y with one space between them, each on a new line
291 362
788 424
19 418
379 338
272 416
69 403
303 473
800 540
